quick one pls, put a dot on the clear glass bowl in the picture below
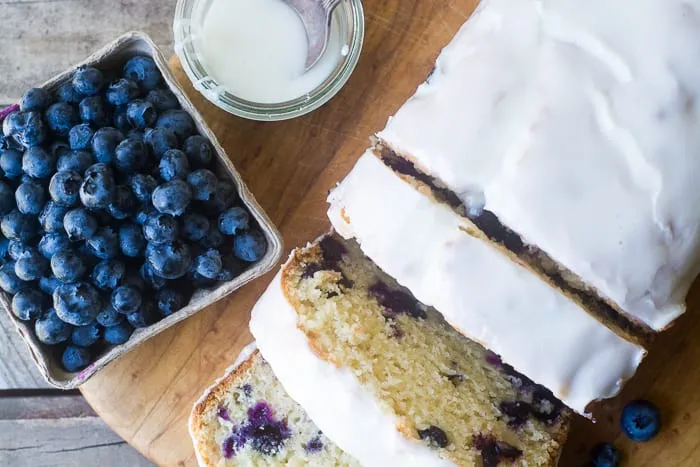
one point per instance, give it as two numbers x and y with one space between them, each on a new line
189 15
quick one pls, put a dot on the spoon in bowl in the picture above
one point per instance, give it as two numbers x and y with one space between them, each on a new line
316 17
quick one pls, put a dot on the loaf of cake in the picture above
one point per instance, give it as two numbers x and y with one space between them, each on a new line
247 419
426 247
574 126
387 379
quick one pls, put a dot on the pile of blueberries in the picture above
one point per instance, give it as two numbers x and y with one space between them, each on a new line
110 212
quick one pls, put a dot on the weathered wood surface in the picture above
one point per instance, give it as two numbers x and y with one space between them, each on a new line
17 369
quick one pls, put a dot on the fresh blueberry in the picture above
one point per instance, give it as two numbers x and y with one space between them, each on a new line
198 150
142 185
169 301
194 226
35 99
61 117
75 358
59 147
85 336
143 71
51 217
77 161
173 165
138 135
14 123
67 265
34 132
143 317
93 110
223 199
172 197
76 304
130 155
124 203
7 198
4 246
104 142
203 183
27 304
31 265
177 121
151 279
50 330
64 188
160 140
105 243
109 316
170 260
30 198
605 455
79 136
98 187
9 282
212 238
37 162
52 242
131 240
15 249
640 420
118 334
18 226
88 81
161 228
108 273
49 284
144 212
141 114
67 93
119 120
249 246
233 221
126 299
209 264
11 163
121 92
79 224
162 100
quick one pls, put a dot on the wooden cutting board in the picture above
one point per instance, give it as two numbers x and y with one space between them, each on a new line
146 395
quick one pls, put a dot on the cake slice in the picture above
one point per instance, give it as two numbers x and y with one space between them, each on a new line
573 126
387 379
425 246
247 419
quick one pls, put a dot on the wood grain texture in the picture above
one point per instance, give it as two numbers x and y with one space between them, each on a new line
17 369
146 396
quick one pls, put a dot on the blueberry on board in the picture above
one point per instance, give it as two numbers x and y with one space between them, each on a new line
233 221
61 117
88 81
11 163
162 99
108 273
194 226
98 187
249 246
177 121
161 228
173 165
31 265
93 110
75 358
209 264
30 198
51 243
51 217
7 198
172 197
151 279
104 142
160 140
48 284
66 93
77 161
143 71
605 455
105 243
27 304
109 316
212 238
79 224
141 114
50 330
120 92
34 132
64 188
37 162
169 260
14 123
124 203
18 226
169 301
9 282
67 265
199 151
203 183
118 334
126 299
131 240
640 420
76 304
130 155
142 185
79 136
85 336
35 99
16 248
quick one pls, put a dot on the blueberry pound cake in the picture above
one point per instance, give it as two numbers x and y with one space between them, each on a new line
247 419
387 379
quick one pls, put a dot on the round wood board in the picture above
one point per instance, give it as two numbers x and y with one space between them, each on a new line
146 395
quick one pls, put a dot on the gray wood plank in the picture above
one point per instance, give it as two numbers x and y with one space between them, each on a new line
43 405
40 38
17 369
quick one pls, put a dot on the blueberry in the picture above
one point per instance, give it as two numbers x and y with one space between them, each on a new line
9 282
85 336
212 238
119 120
224 197
75 358
108 273
31 265
34 132
434 436
59 148
138 135
143 71
173 165
169 301
30 198
194 226
14 123
48 284
209 264
203 183
65 188
27 304
144 212
143 317
98 187
88 81
4 246
104 142
640 420
35 99
11 163
76 304
124 203
141 114
79 224
198 150
80 136
177 121
249 246
160 228
170 260
7 198
133 278
50 330
52 242
15 249
142 185
37 162
105 243
233 221
66 93
109 316
93 110
126 299
67 265
121 92
172 197
605 455
118 334
152 279
130 155
131 240
61 117
160 140
51 217
163 99
18 226
77 161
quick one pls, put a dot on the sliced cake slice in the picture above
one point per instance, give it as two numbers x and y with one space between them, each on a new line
247 419
426 247
387 379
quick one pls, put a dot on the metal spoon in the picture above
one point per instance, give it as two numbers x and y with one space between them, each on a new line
316 16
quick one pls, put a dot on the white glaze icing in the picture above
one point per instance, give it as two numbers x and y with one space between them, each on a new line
332 397
579 123
492 300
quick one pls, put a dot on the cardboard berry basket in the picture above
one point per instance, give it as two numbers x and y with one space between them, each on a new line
111 56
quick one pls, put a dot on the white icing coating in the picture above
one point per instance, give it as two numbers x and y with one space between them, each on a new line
578 120
489 298
332 397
